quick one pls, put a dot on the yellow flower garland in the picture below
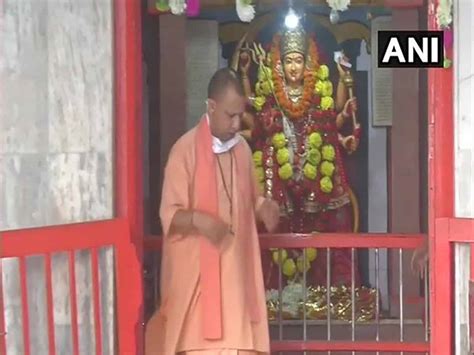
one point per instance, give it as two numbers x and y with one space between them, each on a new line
258 158
285 171
283 156
279 140
259 102
310 171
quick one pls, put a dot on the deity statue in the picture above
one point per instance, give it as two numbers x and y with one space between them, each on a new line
297 128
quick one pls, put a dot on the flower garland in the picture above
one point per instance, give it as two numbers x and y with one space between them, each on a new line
177 6
162 5
444 16
293 267
318 157
293 110
193 8
245 10
444 19
338 5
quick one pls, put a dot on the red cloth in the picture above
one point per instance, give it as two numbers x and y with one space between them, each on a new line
206 193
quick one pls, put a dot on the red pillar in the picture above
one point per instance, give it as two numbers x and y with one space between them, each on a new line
441 200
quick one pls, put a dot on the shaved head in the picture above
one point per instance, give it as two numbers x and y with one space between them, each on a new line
222 80
225 104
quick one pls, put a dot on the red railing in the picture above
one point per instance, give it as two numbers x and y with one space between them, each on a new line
398 242
325 240
68 240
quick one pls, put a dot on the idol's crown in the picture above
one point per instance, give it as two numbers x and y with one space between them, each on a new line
294 41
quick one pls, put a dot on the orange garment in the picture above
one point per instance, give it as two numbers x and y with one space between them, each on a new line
178 326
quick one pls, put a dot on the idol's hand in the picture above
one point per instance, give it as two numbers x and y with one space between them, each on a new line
349 107
244 63
236 56
259 54
350 143
211 227
269 214
340 68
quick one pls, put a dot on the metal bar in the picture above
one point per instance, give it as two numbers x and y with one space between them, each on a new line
51 239
353 305
323 240
24 306
280 296
341 240
3 330
96 300
73 296
427 305
50 305
377 297
305 296
400 279
328 292
372 346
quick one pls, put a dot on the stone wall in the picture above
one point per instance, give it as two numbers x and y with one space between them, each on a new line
56 111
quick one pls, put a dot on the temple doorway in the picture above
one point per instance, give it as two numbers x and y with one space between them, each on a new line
386 175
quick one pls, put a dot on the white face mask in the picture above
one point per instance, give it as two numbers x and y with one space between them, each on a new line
219 147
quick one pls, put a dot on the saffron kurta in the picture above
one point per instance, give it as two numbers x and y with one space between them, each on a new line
177 326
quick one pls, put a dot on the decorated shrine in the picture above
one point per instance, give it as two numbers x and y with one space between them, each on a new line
371 168
308 72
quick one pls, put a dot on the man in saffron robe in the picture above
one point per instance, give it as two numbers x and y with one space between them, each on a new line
213 298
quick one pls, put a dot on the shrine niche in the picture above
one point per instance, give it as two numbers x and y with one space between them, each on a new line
367 171
303 128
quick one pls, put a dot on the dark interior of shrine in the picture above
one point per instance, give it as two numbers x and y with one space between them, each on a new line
387 173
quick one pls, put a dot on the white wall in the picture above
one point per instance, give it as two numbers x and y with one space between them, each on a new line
464 111
464 160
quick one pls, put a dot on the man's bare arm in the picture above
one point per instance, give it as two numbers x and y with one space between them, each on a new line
183 223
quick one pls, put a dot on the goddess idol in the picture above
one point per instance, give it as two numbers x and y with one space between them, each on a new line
296 130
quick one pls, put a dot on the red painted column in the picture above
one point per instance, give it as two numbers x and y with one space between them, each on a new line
441 200
129 174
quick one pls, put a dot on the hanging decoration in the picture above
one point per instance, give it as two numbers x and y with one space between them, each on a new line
336 6
177 6
444 19
444 13
162 6
193 8
245 10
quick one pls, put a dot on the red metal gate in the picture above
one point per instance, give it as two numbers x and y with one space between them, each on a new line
124 233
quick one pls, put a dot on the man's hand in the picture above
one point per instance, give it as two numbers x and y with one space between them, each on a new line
269 214
211 227
419 261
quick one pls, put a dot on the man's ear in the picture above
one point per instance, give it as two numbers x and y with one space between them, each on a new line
211 106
